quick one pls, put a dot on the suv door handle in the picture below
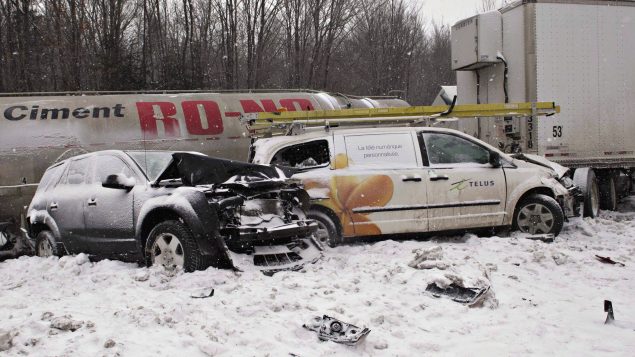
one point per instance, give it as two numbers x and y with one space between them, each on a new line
92 202
439 178
415 178
53 206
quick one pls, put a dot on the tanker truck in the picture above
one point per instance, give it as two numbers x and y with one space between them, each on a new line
579 54
39 129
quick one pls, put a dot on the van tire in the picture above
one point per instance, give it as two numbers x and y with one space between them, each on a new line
544 209
327 232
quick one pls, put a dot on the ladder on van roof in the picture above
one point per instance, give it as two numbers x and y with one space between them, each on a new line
266 124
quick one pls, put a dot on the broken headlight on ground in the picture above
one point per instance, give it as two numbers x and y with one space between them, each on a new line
331 329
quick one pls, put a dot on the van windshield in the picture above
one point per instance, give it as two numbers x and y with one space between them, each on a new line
151 162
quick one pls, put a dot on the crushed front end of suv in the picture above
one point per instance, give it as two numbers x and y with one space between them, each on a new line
175 209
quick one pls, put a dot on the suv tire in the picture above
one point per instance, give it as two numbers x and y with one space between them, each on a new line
171 244
46 246
327 232
538 214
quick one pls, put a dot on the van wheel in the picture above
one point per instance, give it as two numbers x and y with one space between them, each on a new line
172 245
46 246
608 193
539 214
586 180
327 232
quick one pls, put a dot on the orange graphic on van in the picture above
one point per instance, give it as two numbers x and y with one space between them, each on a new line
347 193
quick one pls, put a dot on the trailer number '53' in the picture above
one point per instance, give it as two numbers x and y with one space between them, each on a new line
557 131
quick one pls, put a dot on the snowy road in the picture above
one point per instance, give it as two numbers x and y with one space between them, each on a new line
547 300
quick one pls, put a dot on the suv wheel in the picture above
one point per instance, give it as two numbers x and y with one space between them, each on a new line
45 245
172 245
538 214
327 232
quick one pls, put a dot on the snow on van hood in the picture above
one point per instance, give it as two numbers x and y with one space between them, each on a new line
542 161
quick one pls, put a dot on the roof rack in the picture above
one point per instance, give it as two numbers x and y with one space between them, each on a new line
294 122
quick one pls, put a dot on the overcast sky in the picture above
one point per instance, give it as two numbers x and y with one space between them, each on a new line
447 11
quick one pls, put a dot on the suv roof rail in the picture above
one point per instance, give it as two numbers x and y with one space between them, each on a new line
294 122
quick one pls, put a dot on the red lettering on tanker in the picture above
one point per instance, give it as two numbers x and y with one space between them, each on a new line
148 119
250 106
210 123
213 120
292 105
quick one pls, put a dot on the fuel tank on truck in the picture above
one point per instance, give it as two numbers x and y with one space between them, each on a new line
40 129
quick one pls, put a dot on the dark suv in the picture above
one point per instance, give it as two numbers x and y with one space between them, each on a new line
172 208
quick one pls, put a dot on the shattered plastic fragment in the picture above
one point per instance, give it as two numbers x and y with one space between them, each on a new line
203 294
332 329
608 308
467 296
608 260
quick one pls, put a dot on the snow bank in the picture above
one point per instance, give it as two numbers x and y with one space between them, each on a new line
546 299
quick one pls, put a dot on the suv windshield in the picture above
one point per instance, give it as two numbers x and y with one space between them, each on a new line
151 162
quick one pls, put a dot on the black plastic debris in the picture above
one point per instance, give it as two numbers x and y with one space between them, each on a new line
608 260
331 329
608 307
467 296
546 238
203 295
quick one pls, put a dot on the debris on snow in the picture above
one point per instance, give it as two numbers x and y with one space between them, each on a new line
608 308
608 260
6 340
466 296
331 329
203 294
66 323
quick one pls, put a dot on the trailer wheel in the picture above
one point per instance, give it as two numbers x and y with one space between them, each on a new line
586 180
608 193
46 246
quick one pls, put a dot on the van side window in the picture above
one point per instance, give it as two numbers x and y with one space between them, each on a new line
451 149
305 155
381 150
79 172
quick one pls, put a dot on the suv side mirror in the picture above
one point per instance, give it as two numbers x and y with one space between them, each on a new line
495 159
119 181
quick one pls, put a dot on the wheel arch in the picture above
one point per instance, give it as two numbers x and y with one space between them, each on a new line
330 213
515 201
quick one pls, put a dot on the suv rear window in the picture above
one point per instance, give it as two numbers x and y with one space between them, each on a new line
50 178
305 155
78 172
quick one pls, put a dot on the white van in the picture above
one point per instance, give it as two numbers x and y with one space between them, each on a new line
386 181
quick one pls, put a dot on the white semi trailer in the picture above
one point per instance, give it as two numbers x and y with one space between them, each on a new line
578 53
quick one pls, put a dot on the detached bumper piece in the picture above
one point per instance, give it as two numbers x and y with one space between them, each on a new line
332 329
275 258
466 296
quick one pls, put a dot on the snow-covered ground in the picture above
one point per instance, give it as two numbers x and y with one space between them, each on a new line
546 299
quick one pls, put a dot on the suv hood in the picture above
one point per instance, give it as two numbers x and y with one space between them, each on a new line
199 169
541 161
